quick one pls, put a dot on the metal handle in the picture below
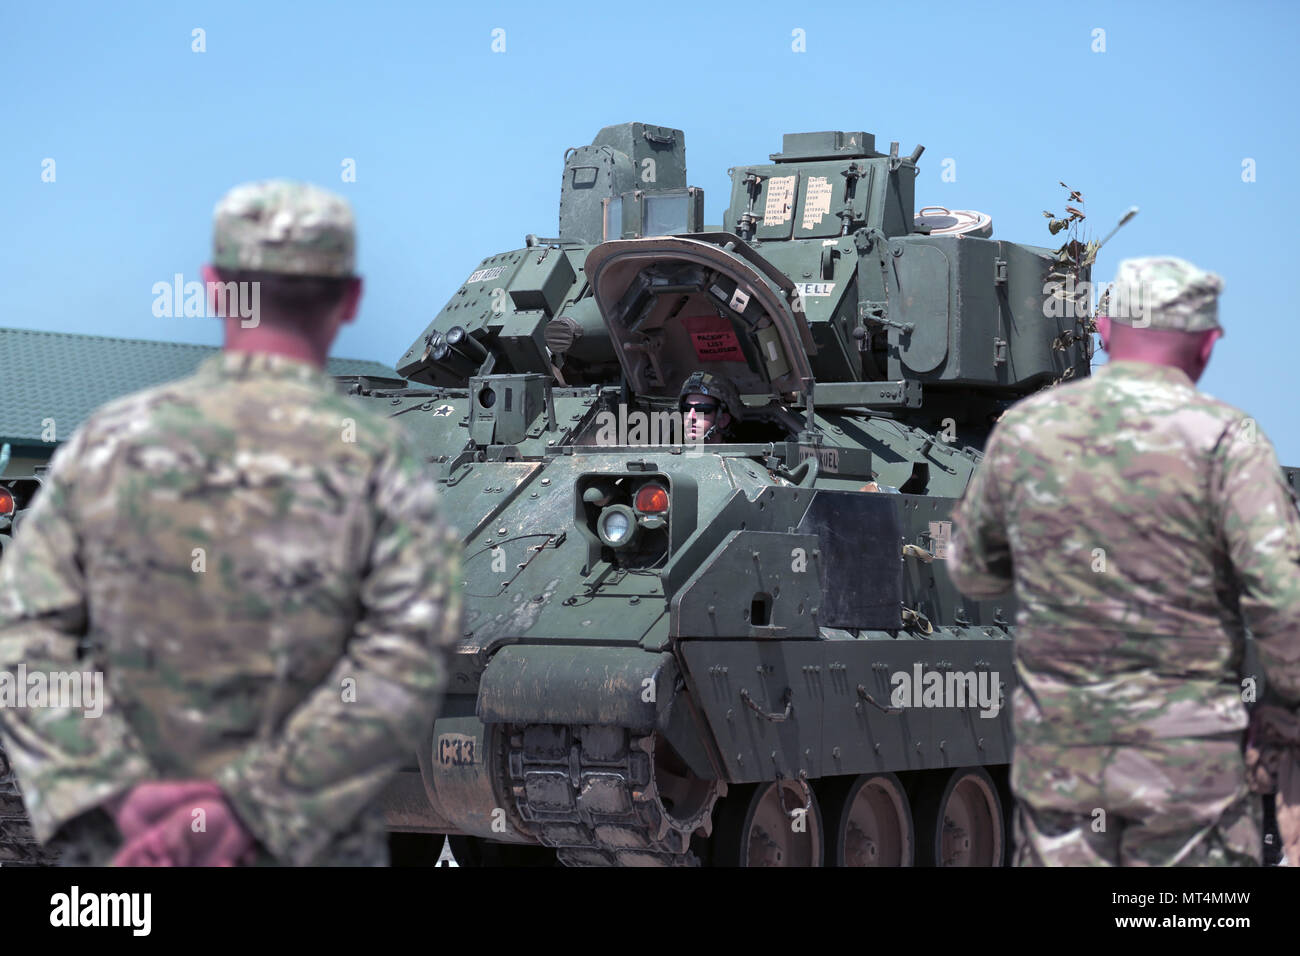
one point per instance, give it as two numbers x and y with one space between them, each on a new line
921 622
802 780
916 551
804 474
862 692
785 715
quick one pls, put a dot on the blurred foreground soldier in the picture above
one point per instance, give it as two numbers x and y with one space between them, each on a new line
1144 525
258 566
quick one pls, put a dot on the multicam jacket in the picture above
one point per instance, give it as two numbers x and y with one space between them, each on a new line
1145 526
258 567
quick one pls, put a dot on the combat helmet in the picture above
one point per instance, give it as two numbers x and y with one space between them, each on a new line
714 386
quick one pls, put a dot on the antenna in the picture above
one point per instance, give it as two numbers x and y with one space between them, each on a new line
1132 211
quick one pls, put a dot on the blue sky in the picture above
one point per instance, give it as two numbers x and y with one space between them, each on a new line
458 149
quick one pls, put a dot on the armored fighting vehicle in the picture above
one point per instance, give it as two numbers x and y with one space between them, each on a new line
745 653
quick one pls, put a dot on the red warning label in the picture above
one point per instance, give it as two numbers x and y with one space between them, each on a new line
713 338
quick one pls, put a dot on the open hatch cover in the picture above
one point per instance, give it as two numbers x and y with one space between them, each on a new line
709 303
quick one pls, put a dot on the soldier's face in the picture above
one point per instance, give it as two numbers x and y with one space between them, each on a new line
702 412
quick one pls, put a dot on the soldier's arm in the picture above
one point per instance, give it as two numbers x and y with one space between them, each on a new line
1260 530
979 555
337 751
68 759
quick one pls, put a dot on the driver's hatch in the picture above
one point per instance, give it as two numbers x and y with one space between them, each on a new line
709 303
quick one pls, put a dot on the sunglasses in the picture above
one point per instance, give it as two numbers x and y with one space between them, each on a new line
701 408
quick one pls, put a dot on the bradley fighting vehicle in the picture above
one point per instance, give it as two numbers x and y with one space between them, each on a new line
745 653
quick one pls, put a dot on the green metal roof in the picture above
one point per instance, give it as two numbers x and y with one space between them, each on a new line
64 376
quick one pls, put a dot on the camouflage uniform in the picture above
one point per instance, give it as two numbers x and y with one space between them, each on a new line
258 565
1145 525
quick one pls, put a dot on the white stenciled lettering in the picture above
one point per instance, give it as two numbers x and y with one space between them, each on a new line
483 275
814 290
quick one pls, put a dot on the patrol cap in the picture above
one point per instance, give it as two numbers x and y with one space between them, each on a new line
1161 292
284 227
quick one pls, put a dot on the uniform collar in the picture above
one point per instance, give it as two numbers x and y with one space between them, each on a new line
261 365
1145 370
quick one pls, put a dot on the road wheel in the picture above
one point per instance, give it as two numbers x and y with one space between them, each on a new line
959 820
778 823
869 822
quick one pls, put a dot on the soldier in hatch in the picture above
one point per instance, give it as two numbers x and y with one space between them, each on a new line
709 405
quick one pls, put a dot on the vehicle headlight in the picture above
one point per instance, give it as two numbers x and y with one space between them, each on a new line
616 526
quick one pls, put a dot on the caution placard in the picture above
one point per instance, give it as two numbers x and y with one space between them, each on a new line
714 339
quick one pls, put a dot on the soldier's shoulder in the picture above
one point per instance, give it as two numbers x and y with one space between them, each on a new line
1206 422
1155 396
225 403
1207 404
367 425
1165 391
1232 433
115 426
373 425
134 411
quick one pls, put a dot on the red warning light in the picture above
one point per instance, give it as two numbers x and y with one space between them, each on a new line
651 499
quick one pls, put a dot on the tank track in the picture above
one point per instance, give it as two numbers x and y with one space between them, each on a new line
18 846
588 791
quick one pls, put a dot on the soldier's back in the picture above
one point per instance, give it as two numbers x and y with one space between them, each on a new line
1128 628
225 521
254 564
